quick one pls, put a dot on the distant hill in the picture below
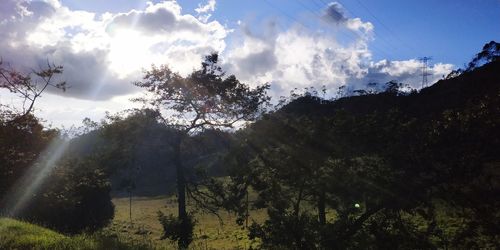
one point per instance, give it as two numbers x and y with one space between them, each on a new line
148 163
451 93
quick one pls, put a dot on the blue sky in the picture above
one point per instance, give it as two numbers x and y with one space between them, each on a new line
291 44
448 30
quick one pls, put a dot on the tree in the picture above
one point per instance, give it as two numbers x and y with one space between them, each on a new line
29 87
75 198
22 136
205 99
490 53
21 142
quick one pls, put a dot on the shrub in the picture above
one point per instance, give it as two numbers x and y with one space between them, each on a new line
75 198
175 229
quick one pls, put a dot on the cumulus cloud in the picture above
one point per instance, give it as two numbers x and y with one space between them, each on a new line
103 54
297 58
163 18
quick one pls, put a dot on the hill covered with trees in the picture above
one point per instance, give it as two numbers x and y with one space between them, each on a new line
392 170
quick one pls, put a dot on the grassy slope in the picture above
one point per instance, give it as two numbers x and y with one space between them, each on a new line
16 234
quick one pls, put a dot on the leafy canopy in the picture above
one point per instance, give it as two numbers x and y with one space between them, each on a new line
204 99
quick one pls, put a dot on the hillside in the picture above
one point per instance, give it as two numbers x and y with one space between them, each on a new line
21 235
400 154
16 234
452 93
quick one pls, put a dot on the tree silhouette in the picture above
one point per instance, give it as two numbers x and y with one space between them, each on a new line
29 87
22 136
205 99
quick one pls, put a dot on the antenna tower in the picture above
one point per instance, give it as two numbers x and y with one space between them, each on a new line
425 60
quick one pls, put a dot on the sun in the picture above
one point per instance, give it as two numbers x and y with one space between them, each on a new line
129 52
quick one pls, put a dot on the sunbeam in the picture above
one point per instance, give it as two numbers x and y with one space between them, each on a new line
20 193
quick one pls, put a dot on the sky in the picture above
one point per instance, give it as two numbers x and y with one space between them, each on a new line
104 46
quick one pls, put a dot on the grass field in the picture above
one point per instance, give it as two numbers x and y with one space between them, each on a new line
143 232
209 233
20 235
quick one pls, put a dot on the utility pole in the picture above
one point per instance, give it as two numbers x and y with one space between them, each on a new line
425 61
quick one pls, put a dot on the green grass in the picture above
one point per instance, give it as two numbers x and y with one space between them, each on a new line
20 235
17 234
143 233
208 233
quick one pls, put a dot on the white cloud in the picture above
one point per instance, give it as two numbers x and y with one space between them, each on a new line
300 58
209 7
204 11
103 54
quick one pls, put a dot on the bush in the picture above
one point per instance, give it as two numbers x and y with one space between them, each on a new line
21 142
284 230
75 198
176 229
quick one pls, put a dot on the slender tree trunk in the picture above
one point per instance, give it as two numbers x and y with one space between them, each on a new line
184 240
247 212
296 207
130 205
321 208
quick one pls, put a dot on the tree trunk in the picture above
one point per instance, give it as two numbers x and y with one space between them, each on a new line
296 207
321 208
184 240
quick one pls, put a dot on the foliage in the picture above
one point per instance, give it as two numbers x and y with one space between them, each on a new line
287 231
205 99
80 193
490 53
76 195
21 142
381 171
176 229
28 87
135 149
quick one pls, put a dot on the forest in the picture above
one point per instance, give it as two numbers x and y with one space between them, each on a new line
378 168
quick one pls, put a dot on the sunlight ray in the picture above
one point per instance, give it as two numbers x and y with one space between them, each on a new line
20 193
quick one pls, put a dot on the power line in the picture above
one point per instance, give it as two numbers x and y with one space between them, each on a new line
356 14
286 14
409 47
348 32
385 26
